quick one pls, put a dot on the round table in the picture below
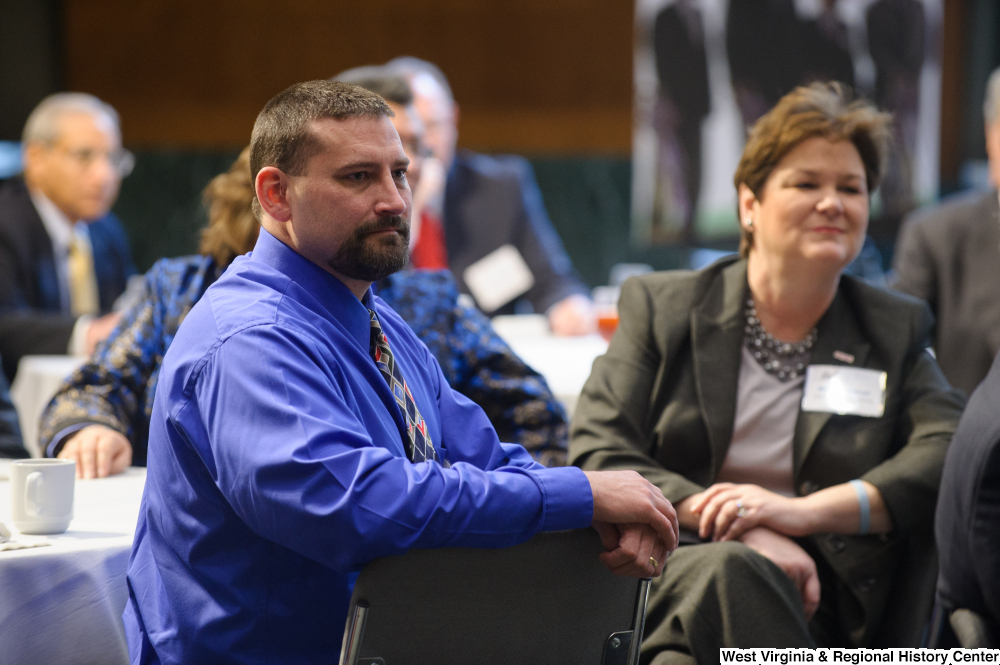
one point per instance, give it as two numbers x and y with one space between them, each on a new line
63 603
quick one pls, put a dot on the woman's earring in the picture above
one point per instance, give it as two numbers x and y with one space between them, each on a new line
749 223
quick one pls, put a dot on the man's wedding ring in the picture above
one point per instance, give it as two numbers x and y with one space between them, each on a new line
653 563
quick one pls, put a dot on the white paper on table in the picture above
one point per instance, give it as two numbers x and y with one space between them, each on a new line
844 390
498 278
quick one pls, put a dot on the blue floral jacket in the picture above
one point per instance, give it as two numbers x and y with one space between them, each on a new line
116 387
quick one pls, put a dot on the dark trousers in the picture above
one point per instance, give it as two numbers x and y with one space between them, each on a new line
720 595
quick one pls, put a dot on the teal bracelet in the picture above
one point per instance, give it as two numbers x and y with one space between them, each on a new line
864 506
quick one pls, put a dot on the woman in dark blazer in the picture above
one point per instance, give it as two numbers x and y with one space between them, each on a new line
808 511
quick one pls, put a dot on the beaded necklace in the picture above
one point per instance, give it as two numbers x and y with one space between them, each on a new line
785 360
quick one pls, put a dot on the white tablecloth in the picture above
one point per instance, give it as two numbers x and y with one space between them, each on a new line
565 362
38 378
63 603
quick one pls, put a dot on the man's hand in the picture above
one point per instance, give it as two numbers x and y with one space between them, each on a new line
573 315
98 330
631 549
98 451
634 520
792 559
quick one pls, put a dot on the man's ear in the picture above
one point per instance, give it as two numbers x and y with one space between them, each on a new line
33 157
271 186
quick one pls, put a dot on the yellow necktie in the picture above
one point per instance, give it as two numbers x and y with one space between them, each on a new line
82 280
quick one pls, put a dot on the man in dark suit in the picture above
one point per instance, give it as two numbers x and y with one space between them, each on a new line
949 256
64 258
493 203
968 511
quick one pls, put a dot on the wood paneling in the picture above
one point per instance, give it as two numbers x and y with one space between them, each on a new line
532 76
952 87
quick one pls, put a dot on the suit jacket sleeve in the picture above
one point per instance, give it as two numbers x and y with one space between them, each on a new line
908 481
542 248
110 389
613 421
115 387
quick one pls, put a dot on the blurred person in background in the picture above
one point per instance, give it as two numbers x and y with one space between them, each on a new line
897 43
683 102
805 511
100 417
763 40
11 444
64 258
949 256
488 203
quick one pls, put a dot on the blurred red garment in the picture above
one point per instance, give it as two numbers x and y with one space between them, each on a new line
429 252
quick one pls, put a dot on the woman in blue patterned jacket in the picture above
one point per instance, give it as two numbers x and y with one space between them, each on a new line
109 399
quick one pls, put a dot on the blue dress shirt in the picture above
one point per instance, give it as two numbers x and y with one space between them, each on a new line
276 470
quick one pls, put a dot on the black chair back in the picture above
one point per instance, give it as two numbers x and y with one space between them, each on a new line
547 601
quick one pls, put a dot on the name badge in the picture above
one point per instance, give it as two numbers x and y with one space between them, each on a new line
498 278
844 390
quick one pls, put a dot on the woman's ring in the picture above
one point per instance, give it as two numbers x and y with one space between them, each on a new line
740 510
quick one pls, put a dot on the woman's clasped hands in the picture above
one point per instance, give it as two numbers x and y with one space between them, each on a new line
726 511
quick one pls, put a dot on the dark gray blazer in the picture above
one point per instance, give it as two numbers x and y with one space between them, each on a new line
950 256
491 201
968 512
662 401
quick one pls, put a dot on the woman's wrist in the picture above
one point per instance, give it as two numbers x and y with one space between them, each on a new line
685 518
804 516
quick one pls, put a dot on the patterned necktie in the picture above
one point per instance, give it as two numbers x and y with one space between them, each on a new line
419 447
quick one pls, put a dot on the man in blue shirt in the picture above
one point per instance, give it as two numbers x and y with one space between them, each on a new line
300 429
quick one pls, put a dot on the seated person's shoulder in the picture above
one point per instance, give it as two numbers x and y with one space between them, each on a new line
437 284
953 215
246 295
421 297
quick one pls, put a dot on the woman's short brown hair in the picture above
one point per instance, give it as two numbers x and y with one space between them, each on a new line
821 109
232 227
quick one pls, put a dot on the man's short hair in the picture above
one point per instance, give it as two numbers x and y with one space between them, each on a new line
42 125
389 85
991 105
408 66
282 137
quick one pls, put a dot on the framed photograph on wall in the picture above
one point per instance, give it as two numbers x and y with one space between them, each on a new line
706 70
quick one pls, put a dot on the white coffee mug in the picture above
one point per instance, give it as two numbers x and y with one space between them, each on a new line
41 495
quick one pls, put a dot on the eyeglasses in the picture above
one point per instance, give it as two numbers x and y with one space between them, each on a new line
120 160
